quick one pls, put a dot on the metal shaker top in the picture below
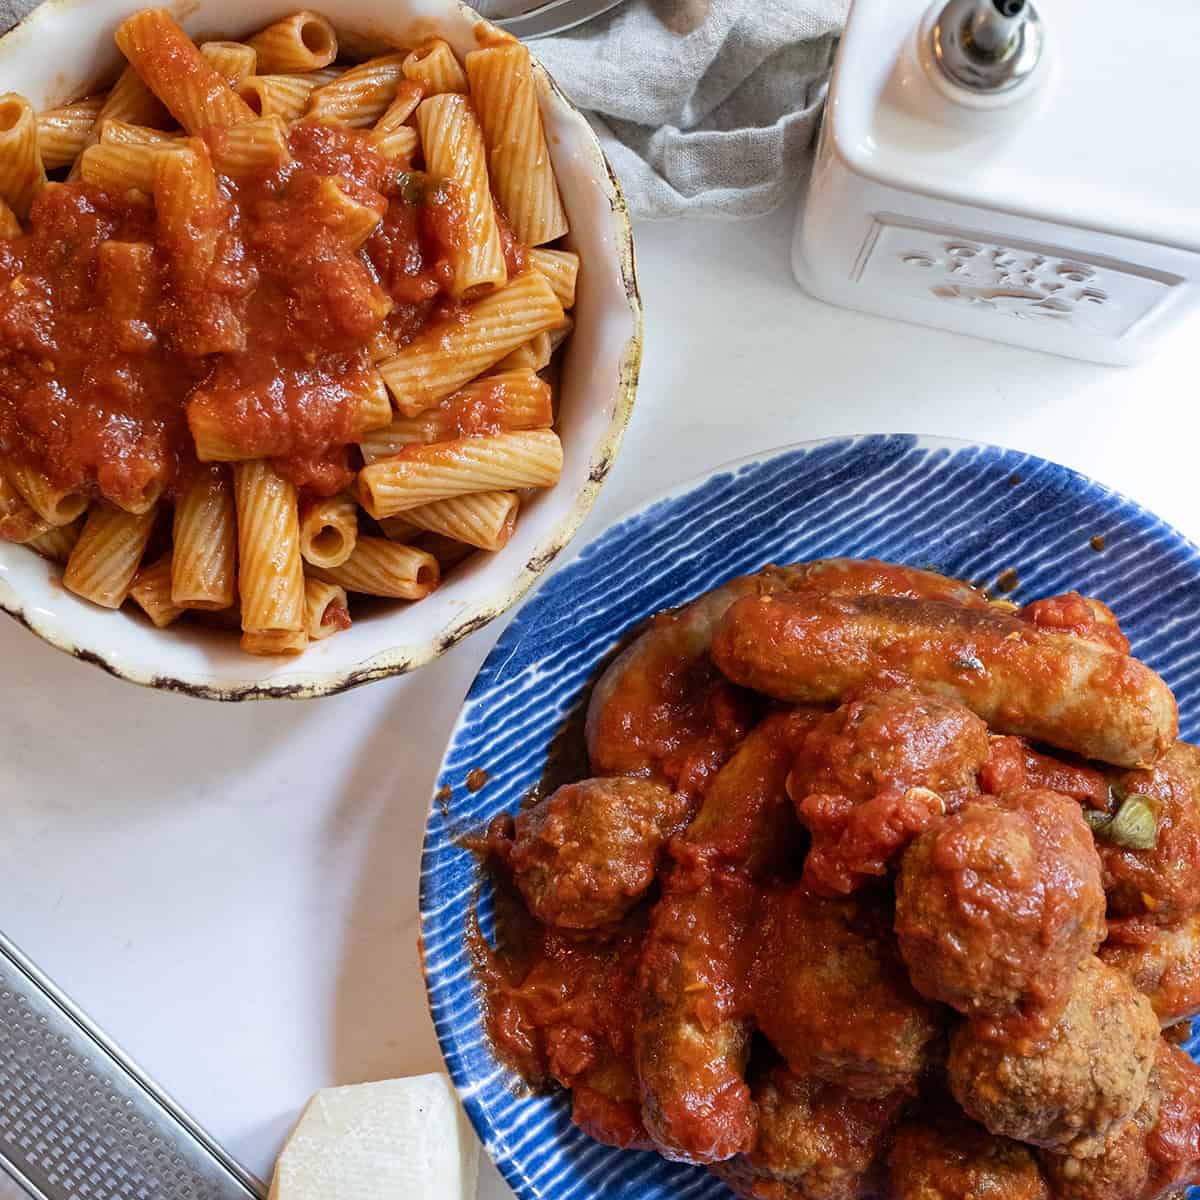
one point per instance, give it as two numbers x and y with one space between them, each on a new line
988 46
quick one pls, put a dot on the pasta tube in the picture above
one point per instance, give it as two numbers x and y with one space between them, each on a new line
204 569
177 73
561 268
440 360
22 175
505 97
54 544
360 96
63 132
18 521
482 519
259 145
508 401
329 531
233 61
379 567
121 167
454 151
423 474
207 419
534 355
151 592
283 96
408 96
270 576
305 41
55 505
106 557
436 69
326 610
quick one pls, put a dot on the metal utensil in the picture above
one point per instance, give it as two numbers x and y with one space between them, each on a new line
555 17
79 1119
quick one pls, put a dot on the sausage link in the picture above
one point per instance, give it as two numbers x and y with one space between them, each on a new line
1065 691
692 1036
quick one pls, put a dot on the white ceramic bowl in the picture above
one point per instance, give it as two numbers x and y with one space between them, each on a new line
64 49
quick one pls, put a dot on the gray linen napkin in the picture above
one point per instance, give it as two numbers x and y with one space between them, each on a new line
705 107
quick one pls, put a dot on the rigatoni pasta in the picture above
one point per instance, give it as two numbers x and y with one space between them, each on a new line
270 574
379 567
313 301
107 555
329 531
453 145
326 609
436 363
22 173
483 519
173 68
204 564
509 400
435 68
63 132
505 97
233 61
360 96
422 474
305 41
151 592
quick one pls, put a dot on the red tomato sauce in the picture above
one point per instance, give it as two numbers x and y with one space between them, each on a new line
101 354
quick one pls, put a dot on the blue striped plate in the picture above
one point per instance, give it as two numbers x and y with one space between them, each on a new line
971 511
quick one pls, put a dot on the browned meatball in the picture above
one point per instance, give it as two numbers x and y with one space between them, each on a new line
1166 968
832 996
1159 886
944 1156
996 905
1151 1157
815 1141
585 855
1069 1090
874 774
892 739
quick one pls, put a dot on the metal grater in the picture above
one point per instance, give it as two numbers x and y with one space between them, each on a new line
80 1121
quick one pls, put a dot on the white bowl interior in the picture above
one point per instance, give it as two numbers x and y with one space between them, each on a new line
65 49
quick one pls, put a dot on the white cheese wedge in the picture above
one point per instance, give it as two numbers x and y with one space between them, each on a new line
403 1139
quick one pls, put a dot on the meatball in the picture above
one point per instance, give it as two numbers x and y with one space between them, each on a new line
996 905
1069 1090
586 854
946 1157
1145 1159
874 774
815 1141
1160 886
1166 968
832 997
894 739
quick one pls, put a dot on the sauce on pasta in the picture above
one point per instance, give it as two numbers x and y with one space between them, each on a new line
103 352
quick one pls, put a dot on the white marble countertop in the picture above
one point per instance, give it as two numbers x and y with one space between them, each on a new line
230 891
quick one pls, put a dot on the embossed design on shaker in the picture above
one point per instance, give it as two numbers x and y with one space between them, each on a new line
1027 283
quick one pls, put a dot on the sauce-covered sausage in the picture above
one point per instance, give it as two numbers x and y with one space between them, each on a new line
1072 693
693 1027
